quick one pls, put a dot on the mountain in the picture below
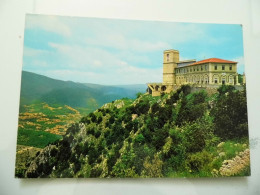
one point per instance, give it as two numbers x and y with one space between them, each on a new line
35 87
174 135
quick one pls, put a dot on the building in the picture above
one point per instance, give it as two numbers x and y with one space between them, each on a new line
210 72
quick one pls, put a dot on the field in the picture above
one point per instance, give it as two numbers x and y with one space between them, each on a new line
39 125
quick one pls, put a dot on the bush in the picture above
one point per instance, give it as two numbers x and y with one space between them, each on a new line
230 114
196 134
200 161
192 107
139 94
142 107
139 138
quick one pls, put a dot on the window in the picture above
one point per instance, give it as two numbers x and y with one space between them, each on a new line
206 67
223 67
231 81
167 57
201 67
230 67
223 81
190 69
216 80
197 68
194 69
206 80
216 67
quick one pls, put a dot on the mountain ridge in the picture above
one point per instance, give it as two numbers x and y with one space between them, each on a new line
35 87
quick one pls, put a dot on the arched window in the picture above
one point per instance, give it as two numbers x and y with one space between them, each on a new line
206 80
163 88
216 80
223 80
167 57
231 79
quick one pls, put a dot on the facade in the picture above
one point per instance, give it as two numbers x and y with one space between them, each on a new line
210 72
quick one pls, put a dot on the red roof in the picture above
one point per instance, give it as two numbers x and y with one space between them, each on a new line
213 60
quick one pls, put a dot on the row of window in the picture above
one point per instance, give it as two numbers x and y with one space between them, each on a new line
223 81
205 80
223 67
200 68
193 80
192 69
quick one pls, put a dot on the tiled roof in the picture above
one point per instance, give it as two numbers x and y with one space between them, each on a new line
213 60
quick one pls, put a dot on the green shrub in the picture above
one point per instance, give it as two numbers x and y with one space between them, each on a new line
200 161
230 114
193 107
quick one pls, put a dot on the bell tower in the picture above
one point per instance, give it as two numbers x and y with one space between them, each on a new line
170 60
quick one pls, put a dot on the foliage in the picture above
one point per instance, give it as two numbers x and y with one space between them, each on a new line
193 107
37 139
230 113
176 134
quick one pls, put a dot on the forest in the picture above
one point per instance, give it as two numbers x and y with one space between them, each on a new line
182 134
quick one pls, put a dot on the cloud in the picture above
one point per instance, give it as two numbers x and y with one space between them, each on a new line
240 64
108 51
30 52
48 23
127 75
92 57
95 65
120 42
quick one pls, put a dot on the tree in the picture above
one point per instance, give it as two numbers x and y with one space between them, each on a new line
193 107
230 114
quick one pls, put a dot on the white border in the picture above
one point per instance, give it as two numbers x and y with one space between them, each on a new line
12 15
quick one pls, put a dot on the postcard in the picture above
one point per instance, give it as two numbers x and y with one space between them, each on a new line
114 98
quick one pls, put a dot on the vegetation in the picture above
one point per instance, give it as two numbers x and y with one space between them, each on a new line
37 88
181 134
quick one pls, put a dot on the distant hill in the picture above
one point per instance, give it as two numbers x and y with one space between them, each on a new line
35 87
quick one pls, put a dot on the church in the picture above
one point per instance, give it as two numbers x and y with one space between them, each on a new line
210 72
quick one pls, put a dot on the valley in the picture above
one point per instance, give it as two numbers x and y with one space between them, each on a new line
48 107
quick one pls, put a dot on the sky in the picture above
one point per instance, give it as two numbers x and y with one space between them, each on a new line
119 52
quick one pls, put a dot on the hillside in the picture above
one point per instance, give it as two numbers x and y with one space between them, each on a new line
177 135
38 88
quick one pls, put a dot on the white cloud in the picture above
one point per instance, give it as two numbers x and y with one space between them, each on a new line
30 52
94 65
240 64
113 51
73 75
121 42
48 23
79 57
127 75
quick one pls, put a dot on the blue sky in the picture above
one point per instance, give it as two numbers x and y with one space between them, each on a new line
113 52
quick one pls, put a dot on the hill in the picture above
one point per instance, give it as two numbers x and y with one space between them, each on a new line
176 135
38 88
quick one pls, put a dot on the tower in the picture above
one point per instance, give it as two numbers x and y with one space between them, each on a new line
170 60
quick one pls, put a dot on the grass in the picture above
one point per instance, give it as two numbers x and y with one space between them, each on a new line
41 116
226 151
38 139
245 172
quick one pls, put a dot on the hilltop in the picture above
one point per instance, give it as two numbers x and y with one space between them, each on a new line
180 134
